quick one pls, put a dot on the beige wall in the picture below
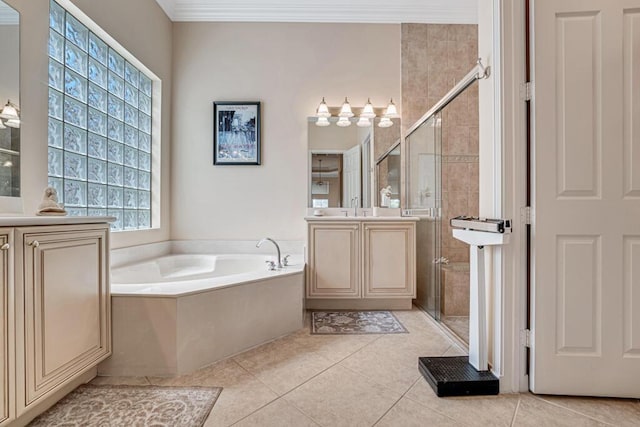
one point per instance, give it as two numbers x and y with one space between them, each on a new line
148 39
289 68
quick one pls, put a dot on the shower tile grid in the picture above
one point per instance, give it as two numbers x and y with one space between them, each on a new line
365 380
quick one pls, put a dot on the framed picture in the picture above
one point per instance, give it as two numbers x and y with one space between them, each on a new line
236 133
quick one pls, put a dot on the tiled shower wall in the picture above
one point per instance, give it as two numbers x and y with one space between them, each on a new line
434 58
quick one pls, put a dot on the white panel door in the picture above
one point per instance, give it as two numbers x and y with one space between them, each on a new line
351 165
586 231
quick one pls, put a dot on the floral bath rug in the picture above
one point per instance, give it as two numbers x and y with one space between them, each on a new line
135 406
355 322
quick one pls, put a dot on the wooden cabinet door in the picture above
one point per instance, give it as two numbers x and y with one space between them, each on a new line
389 260
7 368
334 260
65 321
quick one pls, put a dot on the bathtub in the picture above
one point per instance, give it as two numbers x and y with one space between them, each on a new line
177 313
184 274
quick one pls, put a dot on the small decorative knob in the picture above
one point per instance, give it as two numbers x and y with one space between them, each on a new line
34 244
285 260
5 247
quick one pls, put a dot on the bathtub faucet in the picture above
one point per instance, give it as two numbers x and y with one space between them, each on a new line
277 248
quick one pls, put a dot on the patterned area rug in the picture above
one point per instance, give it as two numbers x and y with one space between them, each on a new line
140 406
355 322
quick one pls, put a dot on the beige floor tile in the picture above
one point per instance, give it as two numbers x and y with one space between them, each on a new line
538 413
340 397
242 393
472 410
407 413
454 350
620 412
392 360
120 381
283 364
335 347
279 413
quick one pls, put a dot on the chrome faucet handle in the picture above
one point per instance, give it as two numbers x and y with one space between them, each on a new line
271 265
285 260
345 212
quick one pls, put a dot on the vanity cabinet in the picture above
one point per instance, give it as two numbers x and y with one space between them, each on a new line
55 310
363 260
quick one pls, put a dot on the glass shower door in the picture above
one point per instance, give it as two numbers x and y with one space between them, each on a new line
424 199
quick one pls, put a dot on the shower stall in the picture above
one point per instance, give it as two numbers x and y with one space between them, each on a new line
442 182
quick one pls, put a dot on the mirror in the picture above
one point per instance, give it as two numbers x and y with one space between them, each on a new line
341 162
340 165
388 178
9 101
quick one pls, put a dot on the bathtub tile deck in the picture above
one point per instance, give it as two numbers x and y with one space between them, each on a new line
366 380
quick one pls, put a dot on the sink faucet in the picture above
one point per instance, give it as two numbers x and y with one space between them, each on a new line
277 248
354 204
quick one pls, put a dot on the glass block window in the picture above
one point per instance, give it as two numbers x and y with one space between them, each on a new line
99 126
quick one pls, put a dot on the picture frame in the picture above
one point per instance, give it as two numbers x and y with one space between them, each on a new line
236 133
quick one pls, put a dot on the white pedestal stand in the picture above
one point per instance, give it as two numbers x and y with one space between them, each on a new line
478 327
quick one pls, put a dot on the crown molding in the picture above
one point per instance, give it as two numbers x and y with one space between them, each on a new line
339 11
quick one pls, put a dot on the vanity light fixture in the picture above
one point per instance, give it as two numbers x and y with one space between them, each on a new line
322 122
363 122
13 123
367 111
11 113
392 111
343 122
323 111
385 122
345 111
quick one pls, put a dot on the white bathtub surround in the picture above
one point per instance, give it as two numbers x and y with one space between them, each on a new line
177 313
186 274
134 254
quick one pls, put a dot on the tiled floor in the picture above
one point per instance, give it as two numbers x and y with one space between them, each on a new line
459 325
366 380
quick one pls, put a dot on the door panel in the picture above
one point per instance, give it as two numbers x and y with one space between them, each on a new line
66 313
334 261
586 209
389 260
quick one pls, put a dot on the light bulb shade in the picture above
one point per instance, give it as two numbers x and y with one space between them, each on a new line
343 122
367 111
323 110
9 112
322 122
385 122
345 111
363 122
392 111
13 123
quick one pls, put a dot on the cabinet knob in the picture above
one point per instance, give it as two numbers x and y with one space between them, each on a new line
5 247
34 244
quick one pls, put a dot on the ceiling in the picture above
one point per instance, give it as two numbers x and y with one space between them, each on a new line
365 11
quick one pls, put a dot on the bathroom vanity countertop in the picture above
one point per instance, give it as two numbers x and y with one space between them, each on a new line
361 218
17 221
